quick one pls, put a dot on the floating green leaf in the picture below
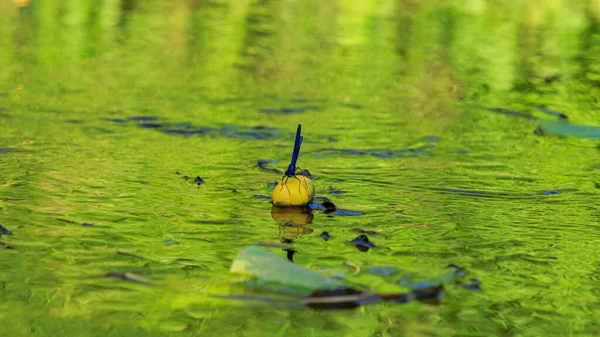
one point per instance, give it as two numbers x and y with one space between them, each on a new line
266 270
564 128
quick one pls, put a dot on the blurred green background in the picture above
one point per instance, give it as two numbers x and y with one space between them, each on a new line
102 102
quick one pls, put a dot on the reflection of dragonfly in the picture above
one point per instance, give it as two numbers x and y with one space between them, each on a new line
559 125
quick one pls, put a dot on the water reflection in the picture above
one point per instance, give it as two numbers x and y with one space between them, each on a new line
297 215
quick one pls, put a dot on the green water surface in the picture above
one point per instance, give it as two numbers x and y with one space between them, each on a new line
480 190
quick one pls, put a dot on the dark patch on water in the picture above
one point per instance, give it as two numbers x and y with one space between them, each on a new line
6 246
7 150
332 140
474 285
369 232
362 243
86 224
329 207
128 277
286 110
199 180
187 129
430 295
258 196
66 220
458 271
143 118
352 105
483 194
170 242
262 164
464 192
217 222
331 293
334 191
4 231
325 236
551 192
346 213
378 153
508 112
150 125
116 120
130 255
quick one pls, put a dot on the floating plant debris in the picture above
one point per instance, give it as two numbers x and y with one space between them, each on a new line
128 277
4 231
360 230
86 224
362 243
262 164
325 236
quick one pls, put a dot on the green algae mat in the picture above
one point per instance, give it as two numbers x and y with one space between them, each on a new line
140 142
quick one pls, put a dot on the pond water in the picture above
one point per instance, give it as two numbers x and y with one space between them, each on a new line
105 106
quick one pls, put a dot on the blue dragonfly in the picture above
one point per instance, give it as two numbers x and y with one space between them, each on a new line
292 169
294 175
